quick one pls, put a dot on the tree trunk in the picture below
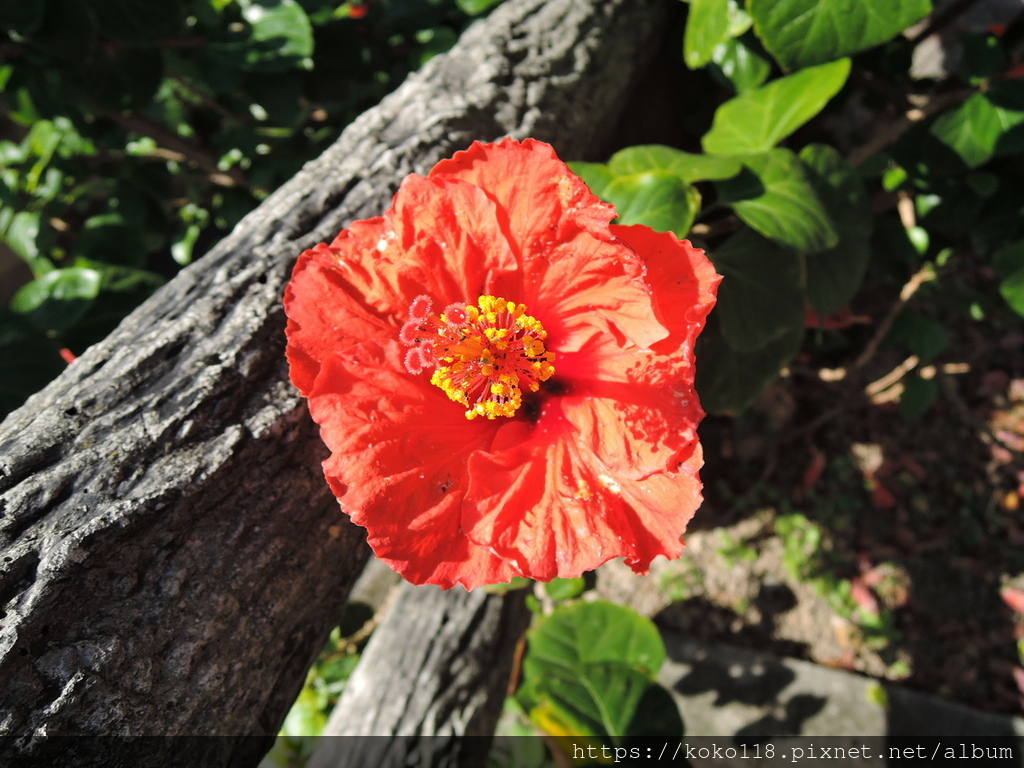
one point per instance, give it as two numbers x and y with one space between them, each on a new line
433 679
171 559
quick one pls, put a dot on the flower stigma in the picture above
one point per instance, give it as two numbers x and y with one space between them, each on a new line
483 355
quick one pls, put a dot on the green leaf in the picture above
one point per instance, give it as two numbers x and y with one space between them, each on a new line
775 197
917 397
759 119
565 589
1012 290
707 25
181 249
139 23
55 301
22 236
306 717
608 701
740 64
986 125
39 146
657 157
923 335
278 36
516 582
476 7
122 289
584 633
659 199
729 381
835 274
801 33
760 299
597 176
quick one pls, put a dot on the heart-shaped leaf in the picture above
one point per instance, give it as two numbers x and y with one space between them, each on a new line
801 33
775 197
759 119
986 125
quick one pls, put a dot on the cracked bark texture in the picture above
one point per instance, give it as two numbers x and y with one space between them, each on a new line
435 672
171 559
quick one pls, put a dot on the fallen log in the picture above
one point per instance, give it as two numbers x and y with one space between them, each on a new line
432 679
171 560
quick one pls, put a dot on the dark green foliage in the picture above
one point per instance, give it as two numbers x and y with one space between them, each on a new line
138 132
832 189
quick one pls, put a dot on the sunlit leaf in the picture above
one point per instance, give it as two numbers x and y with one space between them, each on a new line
686 165
278 36
737 62
1012 290
609 701
659 199
57 300
476 7
760 118
597 176
707 25
582 633
775 197
801 33
565 589
987 125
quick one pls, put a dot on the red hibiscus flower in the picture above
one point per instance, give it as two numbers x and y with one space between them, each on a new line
504 379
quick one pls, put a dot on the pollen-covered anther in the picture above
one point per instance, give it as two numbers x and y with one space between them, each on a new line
483 355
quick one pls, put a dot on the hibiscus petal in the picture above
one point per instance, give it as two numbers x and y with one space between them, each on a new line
636 410
439 240
397 465
638 419
601 462
576 276
446 242
553 511
326 312
682 280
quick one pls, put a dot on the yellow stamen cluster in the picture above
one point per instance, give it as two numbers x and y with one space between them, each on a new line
485 354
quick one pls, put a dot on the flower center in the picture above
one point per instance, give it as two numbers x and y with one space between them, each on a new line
483 355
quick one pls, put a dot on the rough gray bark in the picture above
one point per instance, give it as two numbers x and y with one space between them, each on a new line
170 557
435 672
